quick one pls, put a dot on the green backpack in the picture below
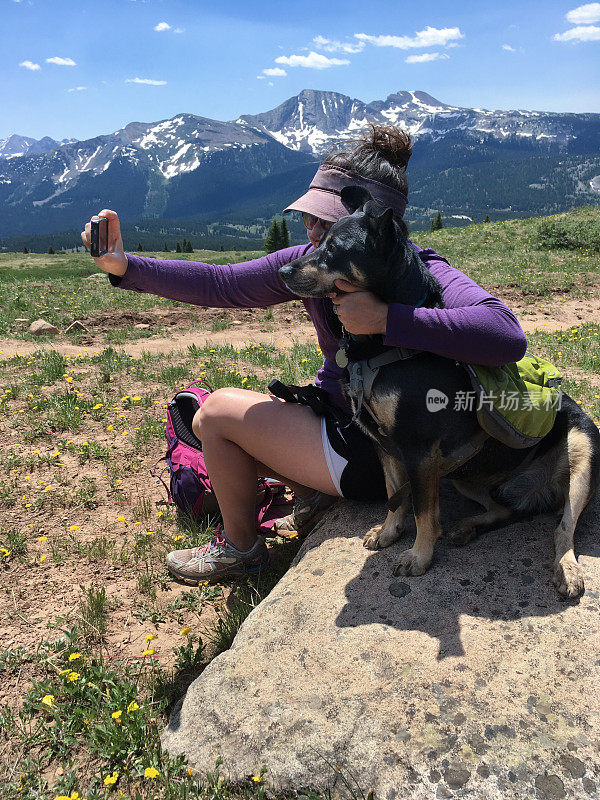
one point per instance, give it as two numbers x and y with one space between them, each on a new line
517 403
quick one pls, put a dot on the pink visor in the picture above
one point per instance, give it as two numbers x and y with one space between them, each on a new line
323 196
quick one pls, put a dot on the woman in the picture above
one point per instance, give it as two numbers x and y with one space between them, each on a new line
246 434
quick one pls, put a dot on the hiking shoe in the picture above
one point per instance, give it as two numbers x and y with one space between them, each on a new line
216 560
308 511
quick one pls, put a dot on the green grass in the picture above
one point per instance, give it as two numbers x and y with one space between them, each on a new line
55 288
514 254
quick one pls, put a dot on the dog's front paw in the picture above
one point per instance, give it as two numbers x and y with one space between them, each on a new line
371 538
380 536
411 563
462 533
568 578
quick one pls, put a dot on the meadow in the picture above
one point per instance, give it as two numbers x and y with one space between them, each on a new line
96 642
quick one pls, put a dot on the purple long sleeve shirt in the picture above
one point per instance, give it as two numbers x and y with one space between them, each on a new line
473 326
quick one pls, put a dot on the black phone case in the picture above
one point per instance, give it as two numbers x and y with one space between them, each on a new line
95 238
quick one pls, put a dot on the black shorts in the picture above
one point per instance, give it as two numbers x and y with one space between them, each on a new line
362 478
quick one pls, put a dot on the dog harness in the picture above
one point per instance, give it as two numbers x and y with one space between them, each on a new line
362 375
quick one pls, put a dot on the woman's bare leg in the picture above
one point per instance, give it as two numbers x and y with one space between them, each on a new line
243 431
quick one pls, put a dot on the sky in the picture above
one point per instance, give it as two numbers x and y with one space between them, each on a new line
80 69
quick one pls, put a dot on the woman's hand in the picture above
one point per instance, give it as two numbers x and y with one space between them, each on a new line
360 312
115 260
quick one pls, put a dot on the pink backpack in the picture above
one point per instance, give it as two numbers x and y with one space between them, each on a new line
190 487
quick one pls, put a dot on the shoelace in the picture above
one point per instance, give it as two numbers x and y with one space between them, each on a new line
218 539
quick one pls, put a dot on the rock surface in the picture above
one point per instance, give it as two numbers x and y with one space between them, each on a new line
474 680
41 327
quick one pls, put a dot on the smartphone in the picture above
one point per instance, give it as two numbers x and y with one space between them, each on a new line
99 237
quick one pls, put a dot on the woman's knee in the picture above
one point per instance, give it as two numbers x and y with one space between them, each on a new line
218 408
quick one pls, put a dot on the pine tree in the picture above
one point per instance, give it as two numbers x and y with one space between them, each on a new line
285 234
51 251
222 248
190 248
184 247
25 250
178 246
273 238
487 218
166 249
436 223
139 247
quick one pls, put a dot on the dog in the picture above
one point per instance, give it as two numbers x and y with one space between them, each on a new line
370 249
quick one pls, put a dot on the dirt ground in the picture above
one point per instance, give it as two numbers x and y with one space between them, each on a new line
290 324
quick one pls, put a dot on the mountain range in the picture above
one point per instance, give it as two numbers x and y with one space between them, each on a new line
238 174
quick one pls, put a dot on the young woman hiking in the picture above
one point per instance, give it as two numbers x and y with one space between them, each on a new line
246 434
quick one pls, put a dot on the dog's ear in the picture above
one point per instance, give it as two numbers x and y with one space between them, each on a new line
354 197
378 212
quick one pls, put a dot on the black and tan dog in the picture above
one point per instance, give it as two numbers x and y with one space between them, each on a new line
370 249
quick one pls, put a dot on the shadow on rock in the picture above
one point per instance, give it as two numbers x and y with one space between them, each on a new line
505 574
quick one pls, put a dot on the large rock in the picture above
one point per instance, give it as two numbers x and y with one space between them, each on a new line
474 680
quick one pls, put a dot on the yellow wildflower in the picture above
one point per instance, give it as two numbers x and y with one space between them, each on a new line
42 538
97 407
116 714
148 652
150 772
149 637
257 779
74 656
43 558
74 528
48 700
185 631
133 706
73 676
110 779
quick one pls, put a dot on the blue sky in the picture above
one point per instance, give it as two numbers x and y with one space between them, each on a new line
79 69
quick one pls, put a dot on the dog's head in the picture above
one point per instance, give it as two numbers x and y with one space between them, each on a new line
356 249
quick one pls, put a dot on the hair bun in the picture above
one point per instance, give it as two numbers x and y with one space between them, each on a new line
393 144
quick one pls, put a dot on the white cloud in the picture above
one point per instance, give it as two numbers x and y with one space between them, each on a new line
147 81
584 15
162 26
77 89
312 61
588 33
178 30
271 83
30 65
425 57
508 48
333 46
275 72
429 37
62 62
